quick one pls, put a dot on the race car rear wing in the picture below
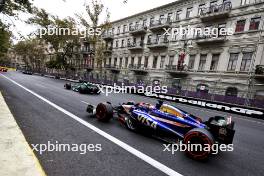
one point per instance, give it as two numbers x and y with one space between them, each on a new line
222 129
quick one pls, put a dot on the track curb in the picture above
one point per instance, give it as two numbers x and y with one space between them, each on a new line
17 157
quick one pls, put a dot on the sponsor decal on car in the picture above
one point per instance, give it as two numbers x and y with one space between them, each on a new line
144 119
147 121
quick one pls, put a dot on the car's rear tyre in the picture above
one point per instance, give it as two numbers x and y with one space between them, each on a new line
67 86
202 137
104 112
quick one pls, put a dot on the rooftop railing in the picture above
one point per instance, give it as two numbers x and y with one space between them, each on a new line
216 11
160 22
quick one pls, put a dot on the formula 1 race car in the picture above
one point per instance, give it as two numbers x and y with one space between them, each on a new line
2 69
170 124
27 72
83 88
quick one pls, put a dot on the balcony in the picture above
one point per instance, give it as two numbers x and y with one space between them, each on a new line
159 25
113 68
108 36
176 70
139 68
108 50
89 67
61 50
161 43
86 51
209 39
136 46
216 12
138 30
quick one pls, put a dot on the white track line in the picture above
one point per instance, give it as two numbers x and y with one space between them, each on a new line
121 144
86 103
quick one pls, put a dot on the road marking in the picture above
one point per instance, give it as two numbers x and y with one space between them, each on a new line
88 103
118 142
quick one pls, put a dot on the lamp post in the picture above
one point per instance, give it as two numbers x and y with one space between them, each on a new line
2 4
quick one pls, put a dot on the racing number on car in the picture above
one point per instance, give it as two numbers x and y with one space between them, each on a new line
147 121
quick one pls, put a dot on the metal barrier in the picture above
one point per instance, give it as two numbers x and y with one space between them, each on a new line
217 95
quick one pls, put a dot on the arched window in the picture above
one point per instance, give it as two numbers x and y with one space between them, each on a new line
231 91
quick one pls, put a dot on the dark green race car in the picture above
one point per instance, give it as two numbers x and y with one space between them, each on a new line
83 88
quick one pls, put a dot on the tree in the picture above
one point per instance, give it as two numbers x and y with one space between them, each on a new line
13 7
5 43
32 52
63 44
46 21
94 12
10 8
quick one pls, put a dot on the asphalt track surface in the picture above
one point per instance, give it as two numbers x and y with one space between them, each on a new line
41 122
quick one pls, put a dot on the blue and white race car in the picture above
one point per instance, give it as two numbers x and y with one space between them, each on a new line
169 123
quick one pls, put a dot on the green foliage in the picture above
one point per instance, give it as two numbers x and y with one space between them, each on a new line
65 45
62 44
44 20
41 18
94 12
32 52
5 42
12 7
58 63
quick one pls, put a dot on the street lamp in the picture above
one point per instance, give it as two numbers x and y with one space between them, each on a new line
2 4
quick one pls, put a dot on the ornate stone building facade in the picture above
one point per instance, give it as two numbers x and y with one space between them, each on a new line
137 51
